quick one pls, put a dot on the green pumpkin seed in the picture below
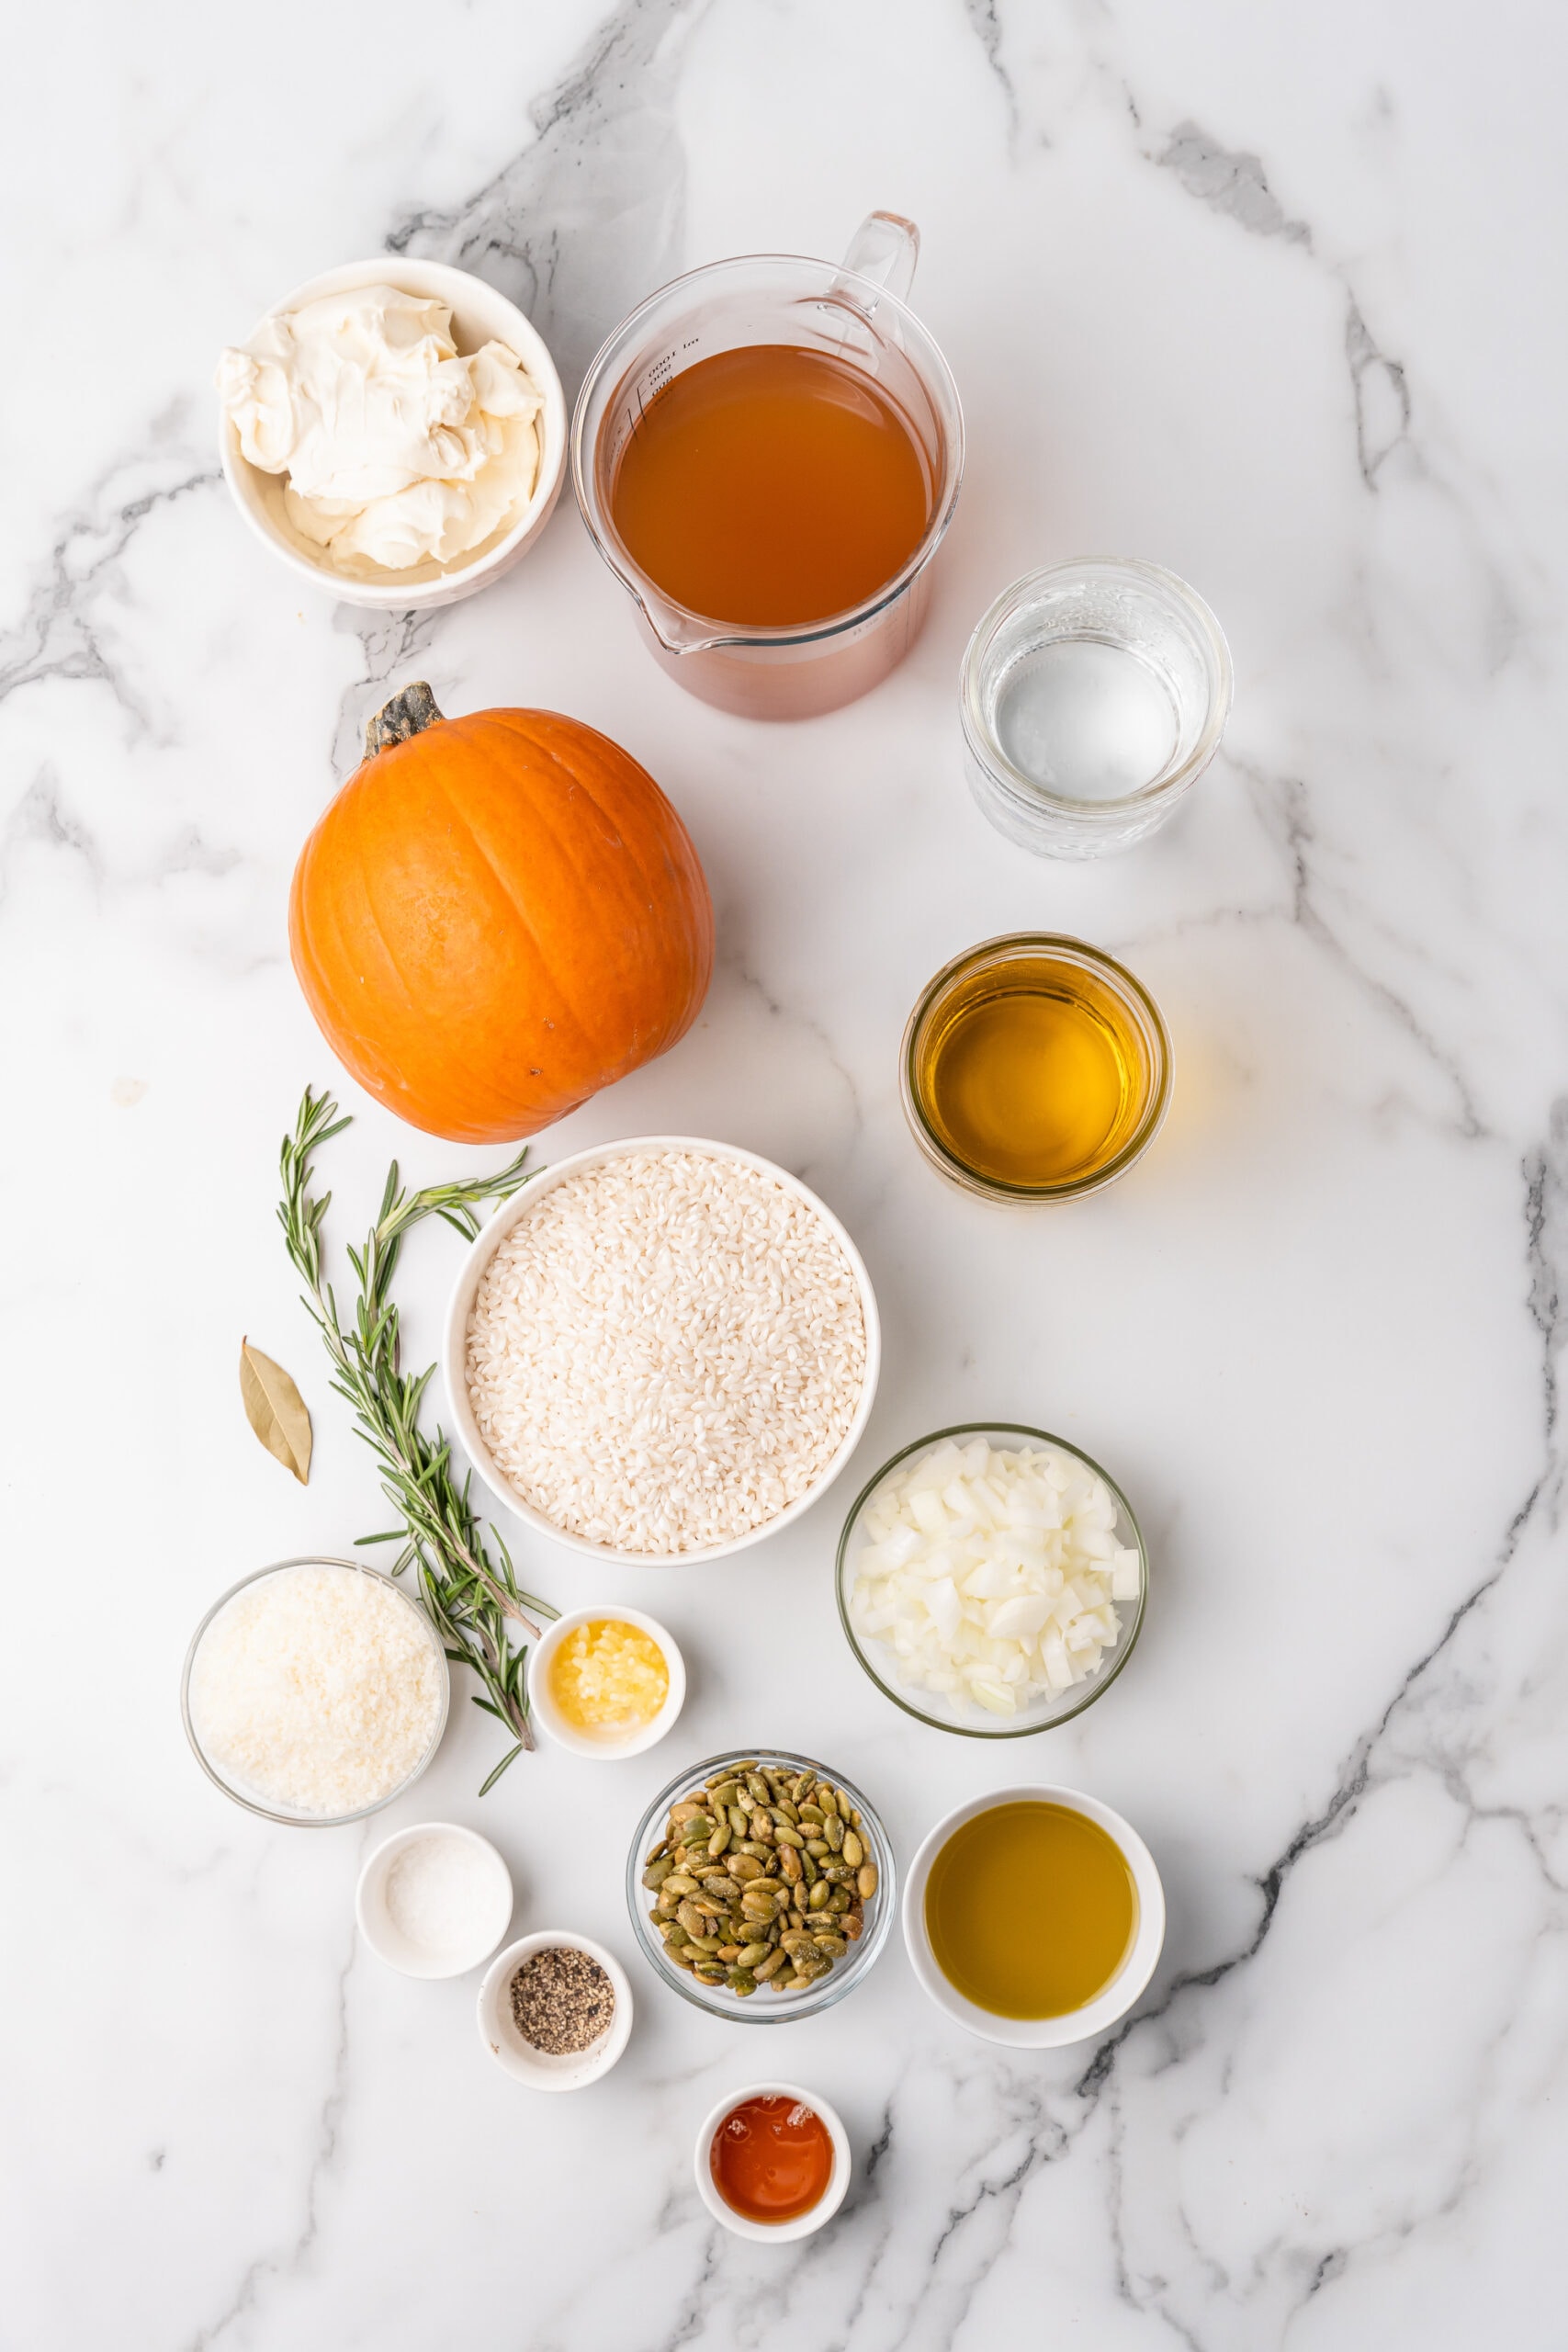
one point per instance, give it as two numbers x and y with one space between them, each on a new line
758 1879
866 1880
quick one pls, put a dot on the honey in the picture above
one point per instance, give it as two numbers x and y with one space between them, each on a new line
1036 1065
608 1677
771 487
772 2159
1030 1909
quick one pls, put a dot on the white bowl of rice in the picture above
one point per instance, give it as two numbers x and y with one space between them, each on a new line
660 1350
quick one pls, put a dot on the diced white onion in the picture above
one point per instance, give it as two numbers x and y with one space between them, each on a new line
993 1574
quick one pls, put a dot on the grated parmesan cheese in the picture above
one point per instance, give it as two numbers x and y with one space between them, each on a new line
317 1688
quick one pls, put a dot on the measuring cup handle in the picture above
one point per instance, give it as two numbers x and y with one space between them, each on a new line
884 248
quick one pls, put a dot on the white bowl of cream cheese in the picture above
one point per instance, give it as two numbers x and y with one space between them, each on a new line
428 461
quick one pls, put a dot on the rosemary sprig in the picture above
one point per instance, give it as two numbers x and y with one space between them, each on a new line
475 1602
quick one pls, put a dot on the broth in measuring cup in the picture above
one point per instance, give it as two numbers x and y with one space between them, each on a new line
772 486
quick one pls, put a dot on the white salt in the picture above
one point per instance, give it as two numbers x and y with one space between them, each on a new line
1088 721
441 1896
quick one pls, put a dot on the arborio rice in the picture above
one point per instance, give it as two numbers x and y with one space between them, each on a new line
666 1351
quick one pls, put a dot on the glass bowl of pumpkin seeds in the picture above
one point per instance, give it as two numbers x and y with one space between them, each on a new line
761 1886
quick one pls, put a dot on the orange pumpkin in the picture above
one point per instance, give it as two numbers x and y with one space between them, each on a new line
497 916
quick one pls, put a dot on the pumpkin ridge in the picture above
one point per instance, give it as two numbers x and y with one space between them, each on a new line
633 908
525 920
668 1032
390 1082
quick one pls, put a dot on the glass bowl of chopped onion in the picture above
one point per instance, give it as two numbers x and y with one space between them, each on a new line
991 1579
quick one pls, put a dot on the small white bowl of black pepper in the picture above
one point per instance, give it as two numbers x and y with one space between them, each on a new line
555 2010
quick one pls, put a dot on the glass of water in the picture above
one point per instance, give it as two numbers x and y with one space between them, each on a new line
1094 696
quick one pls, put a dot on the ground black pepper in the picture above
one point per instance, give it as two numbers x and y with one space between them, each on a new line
561 2000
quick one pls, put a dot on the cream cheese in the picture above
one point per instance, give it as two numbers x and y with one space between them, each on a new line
398 449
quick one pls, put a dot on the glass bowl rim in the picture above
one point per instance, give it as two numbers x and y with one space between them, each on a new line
841 1980
1125 983
314 1820
1125 1648
982 740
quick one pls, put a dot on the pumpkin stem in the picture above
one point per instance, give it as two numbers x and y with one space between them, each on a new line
410 712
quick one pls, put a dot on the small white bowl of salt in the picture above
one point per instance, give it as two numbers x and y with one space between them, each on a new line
434 1900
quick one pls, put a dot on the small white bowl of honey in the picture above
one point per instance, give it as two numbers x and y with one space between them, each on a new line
606 1683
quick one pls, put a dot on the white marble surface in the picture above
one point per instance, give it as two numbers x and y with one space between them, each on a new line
1270 296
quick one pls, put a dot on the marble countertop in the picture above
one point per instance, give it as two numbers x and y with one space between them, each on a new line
1266 296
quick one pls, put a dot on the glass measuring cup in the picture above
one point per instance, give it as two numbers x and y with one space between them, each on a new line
854 314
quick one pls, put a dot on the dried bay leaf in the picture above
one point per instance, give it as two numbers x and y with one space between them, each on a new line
275 1411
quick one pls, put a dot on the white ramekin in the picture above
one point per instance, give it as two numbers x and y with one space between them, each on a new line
548 1716
826 2205
455 1349
480 315
1075 2025
386 1940
539 2068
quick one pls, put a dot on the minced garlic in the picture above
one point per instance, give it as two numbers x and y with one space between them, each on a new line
608 1676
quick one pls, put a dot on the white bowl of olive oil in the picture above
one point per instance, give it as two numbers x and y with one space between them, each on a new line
1034 1917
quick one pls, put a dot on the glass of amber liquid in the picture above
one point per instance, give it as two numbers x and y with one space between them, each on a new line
1034 1068
767 454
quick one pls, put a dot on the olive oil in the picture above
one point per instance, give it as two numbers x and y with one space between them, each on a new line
1034 1067
1030 1909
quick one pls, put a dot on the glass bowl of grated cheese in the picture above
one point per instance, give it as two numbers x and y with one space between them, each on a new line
991 1579
315 1692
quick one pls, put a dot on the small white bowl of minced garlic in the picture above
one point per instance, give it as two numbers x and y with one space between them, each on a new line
606 1682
